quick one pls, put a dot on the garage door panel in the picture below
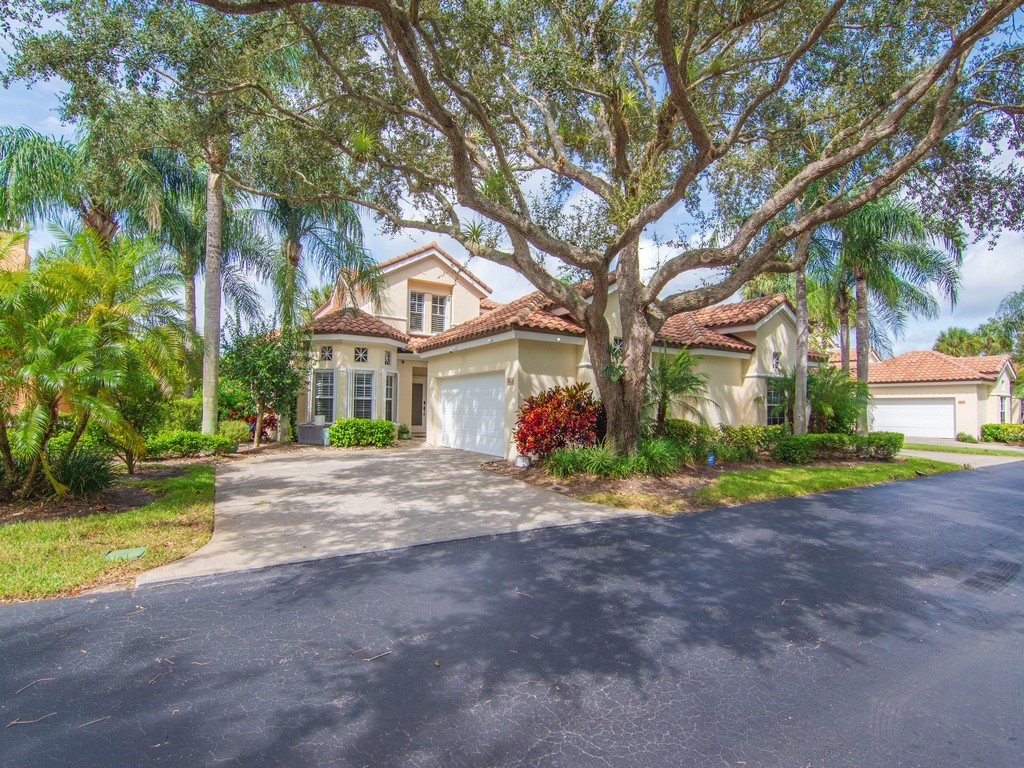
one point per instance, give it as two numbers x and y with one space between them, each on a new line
471 413
915 417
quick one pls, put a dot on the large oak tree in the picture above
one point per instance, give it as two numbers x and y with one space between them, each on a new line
553 136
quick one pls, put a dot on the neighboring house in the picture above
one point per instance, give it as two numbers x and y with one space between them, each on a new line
835 356
16 257
454 365
930 394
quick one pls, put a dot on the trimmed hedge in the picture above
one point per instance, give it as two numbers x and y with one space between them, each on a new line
802 449
728 443
236 431
348 433
179 443
1002 433
185 414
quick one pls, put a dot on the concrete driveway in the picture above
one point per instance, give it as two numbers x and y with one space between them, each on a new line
315 503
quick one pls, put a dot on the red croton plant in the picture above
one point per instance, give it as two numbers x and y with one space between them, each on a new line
558 417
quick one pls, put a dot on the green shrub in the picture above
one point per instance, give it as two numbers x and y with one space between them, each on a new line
727 453
655 457
771 435
91 440
881 445
346 433
680 431
801 449
185 413
1002 433
236 431
85 472
180 443
745 440
794 449
963 437
404 433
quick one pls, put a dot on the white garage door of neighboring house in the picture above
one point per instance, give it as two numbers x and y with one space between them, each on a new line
920 417
472 413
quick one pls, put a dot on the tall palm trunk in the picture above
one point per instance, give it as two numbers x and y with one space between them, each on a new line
212 288
863 343
844 333
190 321
803 333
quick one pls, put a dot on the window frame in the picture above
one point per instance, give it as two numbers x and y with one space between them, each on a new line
391 397
356 374
1003 409
422 297
438 301
326 353
771 408
330 399
361 355
387 357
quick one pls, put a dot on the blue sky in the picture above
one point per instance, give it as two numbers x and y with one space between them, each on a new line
988 273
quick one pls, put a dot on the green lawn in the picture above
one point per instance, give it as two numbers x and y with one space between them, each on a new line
741 486
961 449
46 558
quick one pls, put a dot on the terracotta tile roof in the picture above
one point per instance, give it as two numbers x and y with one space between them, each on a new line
683 330
527 313
988 364
739 312
922 366
357 323
486 305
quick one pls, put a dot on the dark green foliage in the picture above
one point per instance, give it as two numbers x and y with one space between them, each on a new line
1002 433
835 399
85 472
880 445
185 413
963 437
347 433
181 443
233 401
801 449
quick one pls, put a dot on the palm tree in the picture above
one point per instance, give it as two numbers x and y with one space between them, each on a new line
673 381
958 342
324 238
71 329
835 401
42 178
887 258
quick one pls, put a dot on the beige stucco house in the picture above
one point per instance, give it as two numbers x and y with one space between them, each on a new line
930 394
441 357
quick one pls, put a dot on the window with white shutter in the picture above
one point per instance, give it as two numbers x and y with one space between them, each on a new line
416 301
438 313
323 395
362 395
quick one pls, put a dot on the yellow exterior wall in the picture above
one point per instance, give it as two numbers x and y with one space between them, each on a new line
430 275
343 362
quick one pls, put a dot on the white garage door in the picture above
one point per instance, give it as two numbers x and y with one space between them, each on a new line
920 417
472 413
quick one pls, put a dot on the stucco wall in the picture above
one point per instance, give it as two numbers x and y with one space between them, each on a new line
431 276
344 360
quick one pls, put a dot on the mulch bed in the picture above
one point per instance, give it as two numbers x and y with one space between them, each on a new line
118 498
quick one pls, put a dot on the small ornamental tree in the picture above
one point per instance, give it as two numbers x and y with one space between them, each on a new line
557 418
272 364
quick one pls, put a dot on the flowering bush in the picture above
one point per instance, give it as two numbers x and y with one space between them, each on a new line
556 418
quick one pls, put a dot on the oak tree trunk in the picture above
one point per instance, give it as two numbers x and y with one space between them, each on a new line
863 344
623 394
212 288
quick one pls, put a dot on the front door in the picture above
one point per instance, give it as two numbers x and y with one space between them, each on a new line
418 410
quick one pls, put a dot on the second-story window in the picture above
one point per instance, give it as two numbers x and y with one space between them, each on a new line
415 312
362 355
438 313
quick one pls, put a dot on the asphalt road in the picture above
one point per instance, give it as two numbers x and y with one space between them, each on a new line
872 627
